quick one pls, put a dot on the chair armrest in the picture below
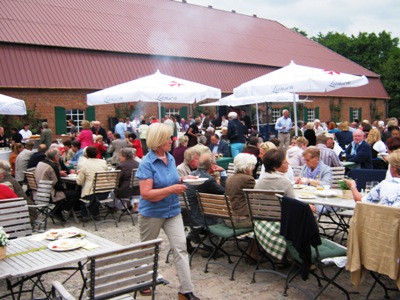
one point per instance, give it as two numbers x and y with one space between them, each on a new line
58 288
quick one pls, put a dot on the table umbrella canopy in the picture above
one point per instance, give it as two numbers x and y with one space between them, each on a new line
12 106
297 78
155 88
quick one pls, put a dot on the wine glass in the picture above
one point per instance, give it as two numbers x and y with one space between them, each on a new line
326 188
368 186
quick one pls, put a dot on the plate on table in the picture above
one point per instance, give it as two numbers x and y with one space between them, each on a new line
306 196
298 186
58 234
65 244
72 175
196 181
327 193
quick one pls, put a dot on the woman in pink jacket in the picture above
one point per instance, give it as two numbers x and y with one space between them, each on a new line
86 135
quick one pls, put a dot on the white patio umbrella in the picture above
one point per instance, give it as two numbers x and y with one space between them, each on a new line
12 106
298 79
155 88
231 100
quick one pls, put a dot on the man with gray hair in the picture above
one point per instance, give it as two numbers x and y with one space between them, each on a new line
46 135
48 170
21 164
283 126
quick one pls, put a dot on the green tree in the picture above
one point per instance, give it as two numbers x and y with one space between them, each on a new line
376 52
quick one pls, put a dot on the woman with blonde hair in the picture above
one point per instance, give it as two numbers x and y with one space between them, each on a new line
159 206
294 155
309 134
344 137
378 148
86 135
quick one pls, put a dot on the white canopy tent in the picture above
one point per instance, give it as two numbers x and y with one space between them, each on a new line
298 79
155 88
231 100
12 106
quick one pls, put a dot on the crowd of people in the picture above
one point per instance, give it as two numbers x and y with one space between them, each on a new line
168 151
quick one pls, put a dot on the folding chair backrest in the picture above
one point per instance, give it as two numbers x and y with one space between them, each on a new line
337 175
263 204
14 217
43 194
30 178
134 183
231 169
123 271
213 205
105 181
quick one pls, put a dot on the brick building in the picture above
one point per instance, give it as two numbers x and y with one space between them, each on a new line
53 53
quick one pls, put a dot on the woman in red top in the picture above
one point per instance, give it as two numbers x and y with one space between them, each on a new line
6 192
86 135
135 143
99 144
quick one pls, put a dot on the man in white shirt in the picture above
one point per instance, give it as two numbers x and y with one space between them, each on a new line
283 126
26 133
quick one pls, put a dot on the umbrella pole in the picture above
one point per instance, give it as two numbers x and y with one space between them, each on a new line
258 123
295 114
159 111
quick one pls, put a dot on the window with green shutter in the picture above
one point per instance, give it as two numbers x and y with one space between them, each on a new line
61 121
183 112
90 113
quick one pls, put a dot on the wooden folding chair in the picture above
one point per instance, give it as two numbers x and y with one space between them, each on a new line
41 197
14 217
133 184
117 273
219 206
231 169
103 182
265 213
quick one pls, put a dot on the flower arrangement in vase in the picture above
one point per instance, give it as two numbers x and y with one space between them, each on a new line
3 243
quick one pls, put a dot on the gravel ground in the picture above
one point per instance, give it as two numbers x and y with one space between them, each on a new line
215 284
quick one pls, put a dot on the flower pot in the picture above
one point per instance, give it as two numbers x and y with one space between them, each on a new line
347 194
3 251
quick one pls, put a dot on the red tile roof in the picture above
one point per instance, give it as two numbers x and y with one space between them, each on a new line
45 67
94 44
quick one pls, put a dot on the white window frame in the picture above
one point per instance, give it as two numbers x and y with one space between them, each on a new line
172 111
78 115
310 115
275 114
355 113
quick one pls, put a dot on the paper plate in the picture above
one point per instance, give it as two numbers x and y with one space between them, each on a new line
65 245
72 175
306 196
58 234
197 181
298 186
326 193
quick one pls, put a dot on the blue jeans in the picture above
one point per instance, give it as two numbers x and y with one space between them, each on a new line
236 148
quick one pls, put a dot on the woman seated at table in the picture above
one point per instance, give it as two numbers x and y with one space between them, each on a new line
386 192
87 169
124 191
314 172
275 165
244 164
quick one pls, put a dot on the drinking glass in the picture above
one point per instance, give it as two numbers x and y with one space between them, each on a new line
326 188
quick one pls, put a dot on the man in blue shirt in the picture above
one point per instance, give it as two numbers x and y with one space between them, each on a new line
283 125
76 147
120 128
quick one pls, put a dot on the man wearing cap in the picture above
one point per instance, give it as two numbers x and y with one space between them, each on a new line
283 125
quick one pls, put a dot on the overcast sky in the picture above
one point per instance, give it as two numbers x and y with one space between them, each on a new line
314 16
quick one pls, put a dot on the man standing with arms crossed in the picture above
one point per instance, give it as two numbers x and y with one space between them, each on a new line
283 125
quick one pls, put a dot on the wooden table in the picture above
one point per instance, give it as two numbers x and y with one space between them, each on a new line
28 259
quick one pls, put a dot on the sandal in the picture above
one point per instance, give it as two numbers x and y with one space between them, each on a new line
145 292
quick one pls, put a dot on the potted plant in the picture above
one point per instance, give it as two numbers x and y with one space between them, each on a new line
347 194
3 243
